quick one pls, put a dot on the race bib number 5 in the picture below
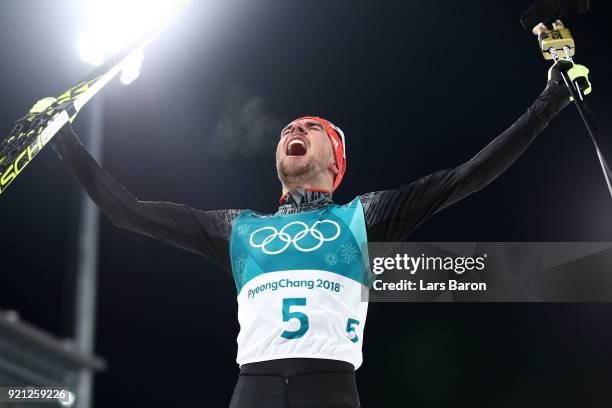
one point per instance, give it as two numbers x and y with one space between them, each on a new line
302 318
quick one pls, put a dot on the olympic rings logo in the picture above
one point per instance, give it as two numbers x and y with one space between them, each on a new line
295 240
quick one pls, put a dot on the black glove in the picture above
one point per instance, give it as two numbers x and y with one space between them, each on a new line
576 72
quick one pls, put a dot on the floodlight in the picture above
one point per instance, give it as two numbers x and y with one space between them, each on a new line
113 24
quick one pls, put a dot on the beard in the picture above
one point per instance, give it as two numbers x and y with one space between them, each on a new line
291 175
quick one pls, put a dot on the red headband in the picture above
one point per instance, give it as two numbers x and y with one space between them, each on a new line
336 136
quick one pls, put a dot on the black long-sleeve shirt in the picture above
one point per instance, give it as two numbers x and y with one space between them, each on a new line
390 215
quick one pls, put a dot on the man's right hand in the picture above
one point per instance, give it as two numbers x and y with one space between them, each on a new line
42 105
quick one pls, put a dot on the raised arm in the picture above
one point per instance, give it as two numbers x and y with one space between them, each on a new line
391 215
203 232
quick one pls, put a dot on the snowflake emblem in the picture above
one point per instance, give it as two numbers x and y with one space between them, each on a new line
349 253
330 259
243 230
240 267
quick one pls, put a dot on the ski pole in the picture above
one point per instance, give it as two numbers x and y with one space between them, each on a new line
551 43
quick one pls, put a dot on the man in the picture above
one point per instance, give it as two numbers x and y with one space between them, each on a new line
299 273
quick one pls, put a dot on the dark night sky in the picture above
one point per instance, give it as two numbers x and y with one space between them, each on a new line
416 86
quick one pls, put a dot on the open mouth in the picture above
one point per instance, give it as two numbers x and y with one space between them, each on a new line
296 147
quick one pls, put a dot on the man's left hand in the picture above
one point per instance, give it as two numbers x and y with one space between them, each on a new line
576 72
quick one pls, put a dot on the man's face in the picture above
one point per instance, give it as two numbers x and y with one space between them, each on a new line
304 153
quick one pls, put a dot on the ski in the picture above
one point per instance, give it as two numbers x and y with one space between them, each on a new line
32 132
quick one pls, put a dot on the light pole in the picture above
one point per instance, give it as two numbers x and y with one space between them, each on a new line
87 266
111 26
